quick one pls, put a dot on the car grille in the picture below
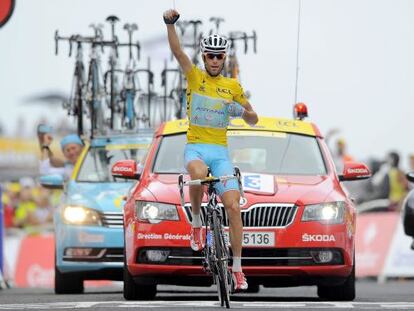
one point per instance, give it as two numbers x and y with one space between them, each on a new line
258 215
250 256
112 220
99 255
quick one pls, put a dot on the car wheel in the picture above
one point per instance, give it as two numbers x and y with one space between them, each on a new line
133 291
66 283
344 292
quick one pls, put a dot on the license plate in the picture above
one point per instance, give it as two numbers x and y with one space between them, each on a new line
257 239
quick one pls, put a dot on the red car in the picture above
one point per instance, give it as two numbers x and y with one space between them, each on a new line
299 223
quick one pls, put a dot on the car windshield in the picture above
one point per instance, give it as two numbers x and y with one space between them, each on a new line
256 152
97 165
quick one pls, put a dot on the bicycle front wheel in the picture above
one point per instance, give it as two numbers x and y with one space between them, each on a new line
222 275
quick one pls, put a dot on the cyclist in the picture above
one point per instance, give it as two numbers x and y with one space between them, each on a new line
71 145
209 96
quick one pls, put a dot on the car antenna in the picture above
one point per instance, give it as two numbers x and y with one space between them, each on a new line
297 53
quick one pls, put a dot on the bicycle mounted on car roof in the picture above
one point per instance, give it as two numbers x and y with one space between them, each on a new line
88 95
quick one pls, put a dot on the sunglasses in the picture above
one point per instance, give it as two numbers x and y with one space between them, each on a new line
218 56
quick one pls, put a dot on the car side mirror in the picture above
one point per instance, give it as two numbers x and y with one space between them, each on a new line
354 171
55 181
127 169
410 176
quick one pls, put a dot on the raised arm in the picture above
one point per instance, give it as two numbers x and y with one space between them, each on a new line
170 17
45 139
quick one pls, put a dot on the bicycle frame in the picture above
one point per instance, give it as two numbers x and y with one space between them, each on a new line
94 91
177 94
216 251
129 114
76 102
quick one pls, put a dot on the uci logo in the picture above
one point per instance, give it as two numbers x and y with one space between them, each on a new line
286 124
223 91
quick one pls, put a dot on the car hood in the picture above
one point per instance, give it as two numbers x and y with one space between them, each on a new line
105 197
301 190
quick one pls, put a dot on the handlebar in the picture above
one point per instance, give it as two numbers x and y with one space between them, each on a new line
217 21
130 28
206 181
89 40
239 35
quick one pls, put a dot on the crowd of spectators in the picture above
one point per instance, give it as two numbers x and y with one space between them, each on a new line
28 207
388 181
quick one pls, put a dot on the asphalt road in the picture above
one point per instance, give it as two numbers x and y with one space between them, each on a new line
393 295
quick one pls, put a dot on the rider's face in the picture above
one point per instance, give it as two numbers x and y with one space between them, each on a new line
214 63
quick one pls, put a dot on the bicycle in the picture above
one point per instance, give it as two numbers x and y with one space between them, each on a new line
231 67
145 117
177 94
216 251
113 64
128 92
75 105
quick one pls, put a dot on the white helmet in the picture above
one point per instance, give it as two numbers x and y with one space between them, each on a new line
214 44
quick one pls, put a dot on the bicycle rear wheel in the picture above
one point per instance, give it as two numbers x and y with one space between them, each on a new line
222 276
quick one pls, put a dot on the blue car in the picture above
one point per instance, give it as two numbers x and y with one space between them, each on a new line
88 223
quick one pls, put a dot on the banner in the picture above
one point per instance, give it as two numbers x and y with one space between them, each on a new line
400 260
30 262
374 235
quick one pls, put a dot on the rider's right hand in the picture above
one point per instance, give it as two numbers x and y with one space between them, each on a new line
171 16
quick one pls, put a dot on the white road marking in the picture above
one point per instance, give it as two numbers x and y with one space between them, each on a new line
196 304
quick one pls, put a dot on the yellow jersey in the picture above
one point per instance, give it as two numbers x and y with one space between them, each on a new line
208 104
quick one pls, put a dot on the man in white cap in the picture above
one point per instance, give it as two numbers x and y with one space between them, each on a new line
71 145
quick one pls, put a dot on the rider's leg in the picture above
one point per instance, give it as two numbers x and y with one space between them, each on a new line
231 203
230 196
197 170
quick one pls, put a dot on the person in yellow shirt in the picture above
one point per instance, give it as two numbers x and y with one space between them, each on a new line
398 184
210 101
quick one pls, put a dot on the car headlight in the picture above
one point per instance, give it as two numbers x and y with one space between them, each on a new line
155 212
79 215
330 213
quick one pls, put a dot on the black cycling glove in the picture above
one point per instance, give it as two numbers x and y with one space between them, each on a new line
170 21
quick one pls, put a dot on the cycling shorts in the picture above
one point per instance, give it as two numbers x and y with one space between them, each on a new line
217 158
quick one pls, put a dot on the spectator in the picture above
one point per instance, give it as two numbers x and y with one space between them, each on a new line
398 184
10 198
43 214
71 145
339 152
411 169
26 204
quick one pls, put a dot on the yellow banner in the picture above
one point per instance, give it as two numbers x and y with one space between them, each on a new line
264 124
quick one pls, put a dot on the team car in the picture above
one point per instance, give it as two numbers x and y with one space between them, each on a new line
299 222
89 221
